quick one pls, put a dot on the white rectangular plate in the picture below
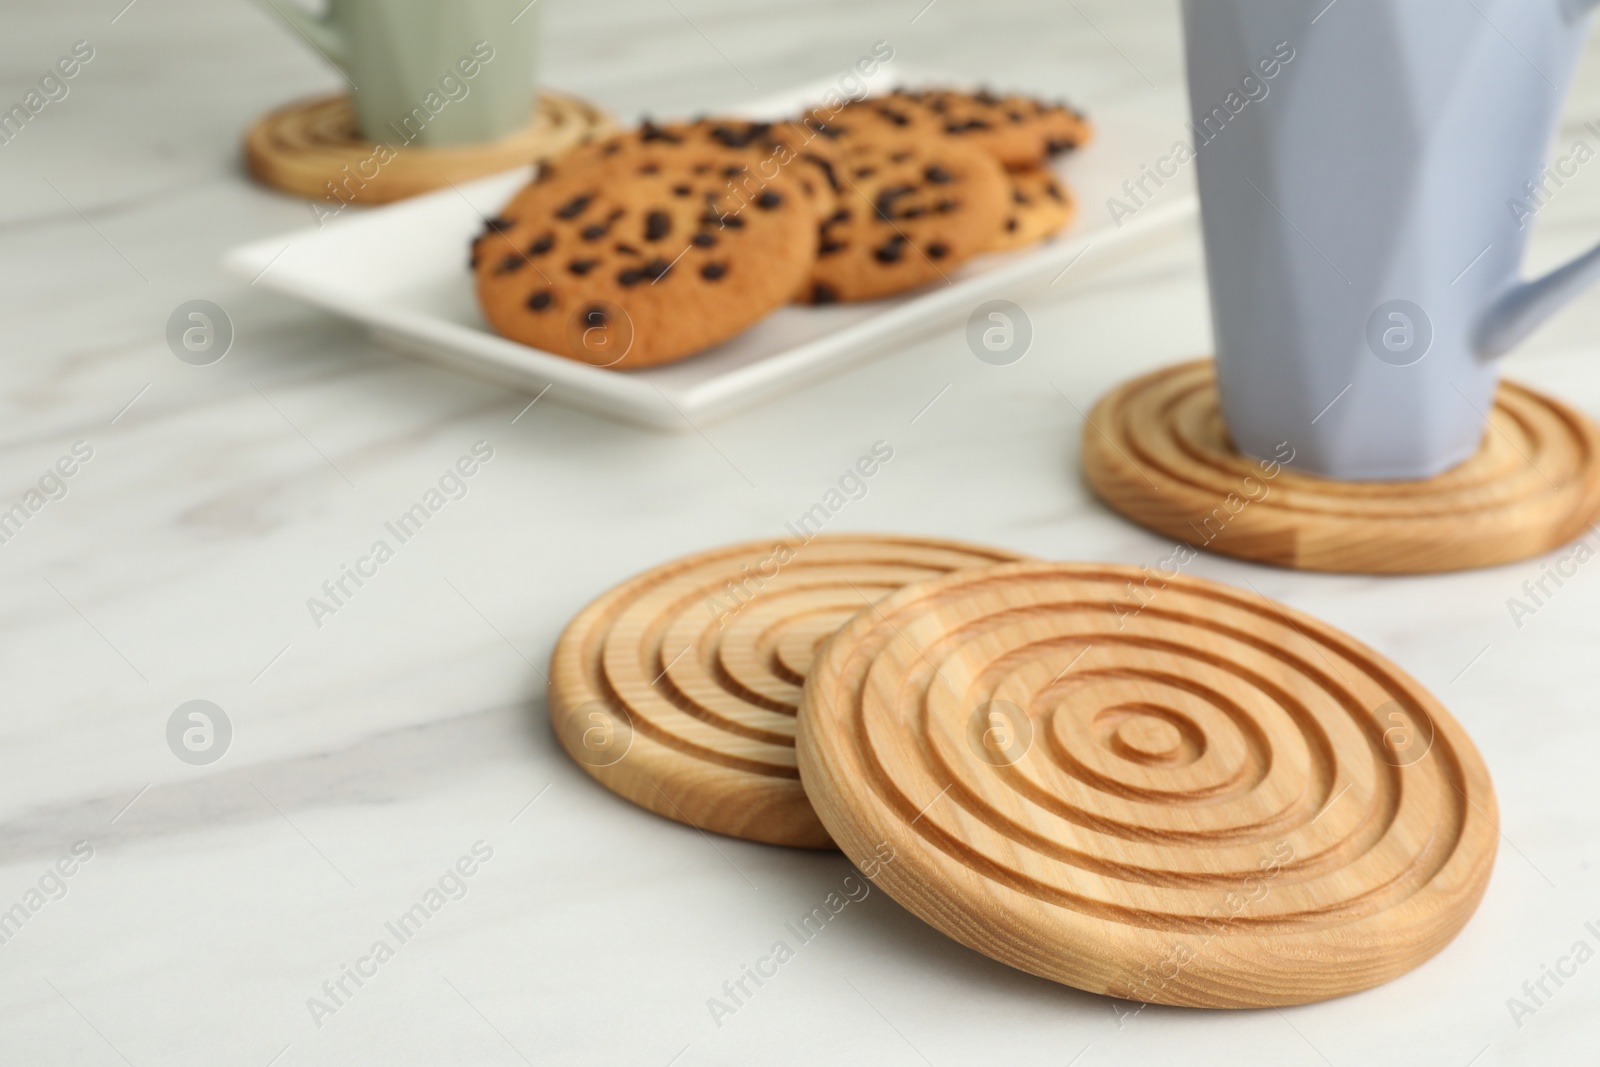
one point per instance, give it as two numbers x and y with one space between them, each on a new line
401 271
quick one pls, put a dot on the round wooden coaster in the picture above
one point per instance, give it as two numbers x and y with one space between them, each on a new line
1173 792
312 148
1156 450
678 688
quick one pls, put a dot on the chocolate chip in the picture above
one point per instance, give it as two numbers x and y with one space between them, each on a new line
899 157
842 215
985 97
826 168
510 263
896 117
498 224
627 250
1056 145
891 250
827 247
595 316
866 172
768 199
650 168
472 260
704 240
657 225
580 267
595 230
1018 197
655 268
823 294
822 129
542 244
938 250
944 207
712 271
732 170
915 211
702 168
574 207
887 197
1053 191
1011 225
649 131
630 276
963 127
540 300
1014 116
937 174
681 190
735 137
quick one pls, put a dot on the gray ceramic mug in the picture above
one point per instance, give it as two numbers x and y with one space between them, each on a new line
429 72
1368 170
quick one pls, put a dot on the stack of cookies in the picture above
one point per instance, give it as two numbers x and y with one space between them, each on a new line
664 240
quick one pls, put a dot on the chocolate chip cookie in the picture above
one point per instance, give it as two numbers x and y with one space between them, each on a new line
1017 130
1040 206
910 210
765 149
873 120
634 267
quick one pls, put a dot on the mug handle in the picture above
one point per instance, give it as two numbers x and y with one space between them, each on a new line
322 34
1526 305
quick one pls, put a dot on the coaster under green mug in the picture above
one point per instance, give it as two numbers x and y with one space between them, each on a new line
429 72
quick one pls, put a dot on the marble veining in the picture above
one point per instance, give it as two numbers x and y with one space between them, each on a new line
373 752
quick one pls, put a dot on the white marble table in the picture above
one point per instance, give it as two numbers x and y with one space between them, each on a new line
370 755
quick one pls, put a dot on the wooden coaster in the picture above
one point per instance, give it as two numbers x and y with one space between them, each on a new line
1156 450
1173 792
312 148
678 688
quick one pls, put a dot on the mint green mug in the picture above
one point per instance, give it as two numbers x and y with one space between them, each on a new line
429 72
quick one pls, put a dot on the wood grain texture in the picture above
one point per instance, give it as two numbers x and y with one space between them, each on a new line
303 147
678 688
1156 450
1191 795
